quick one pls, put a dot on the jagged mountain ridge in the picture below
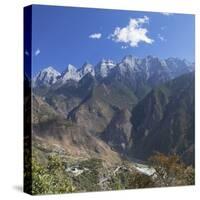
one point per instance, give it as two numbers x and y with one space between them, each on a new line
120 85
101 105
164 120
46 77
149 68
161 122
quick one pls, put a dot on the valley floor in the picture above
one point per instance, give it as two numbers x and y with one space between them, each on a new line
55 171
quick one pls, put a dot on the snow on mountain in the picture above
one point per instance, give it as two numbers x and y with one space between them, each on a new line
46 77
104 67
130 61
128 65
156 70
151 69
175 63
70 74
87 68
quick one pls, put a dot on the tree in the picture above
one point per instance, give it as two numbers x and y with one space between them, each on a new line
139 180
171 171
50 179
89 179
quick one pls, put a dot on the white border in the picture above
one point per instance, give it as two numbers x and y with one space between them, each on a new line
11 76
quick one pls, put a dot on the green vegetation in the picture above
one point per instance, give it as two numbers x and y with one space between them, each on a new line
140 181
126 179
129 114
89 179
50 179
54 171
171 171
120 180
61 174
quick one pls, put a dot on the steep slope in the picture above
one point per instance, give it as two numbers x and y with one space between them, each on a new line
92 113
142 74
104 100
63 134
69 74
65 98
103 68
118 133
41 110
87 68
139 72
89 110
51 129
120 85
116 93
46 77
164 120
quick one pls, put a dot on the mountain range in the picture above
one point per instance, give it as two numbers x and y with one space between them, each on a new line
112 110
149 68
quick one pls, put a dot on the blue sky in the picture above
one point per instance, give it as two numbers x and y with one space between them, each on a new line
63 35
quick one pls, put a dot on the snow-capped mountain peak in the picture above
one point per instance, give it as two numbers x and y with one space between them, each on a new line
128 64
149 68
129 59
70 74
104 67
50 71
46 77
71 68
87 68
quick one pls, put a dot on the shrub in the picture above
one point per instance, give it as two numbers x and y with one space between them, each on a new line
171 171
89 179
51 178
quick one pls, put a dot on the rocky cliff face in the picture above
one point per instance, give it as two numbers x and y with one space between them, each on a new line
150 69
131 108
118 132
164 120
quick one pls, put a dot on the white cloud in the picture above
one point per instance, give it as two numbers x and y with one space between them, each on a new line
37 52
95 36
133 33
161 38
167 14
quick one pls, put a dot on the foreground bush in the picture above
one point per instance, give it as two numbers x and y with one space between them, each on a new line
89 179
51 178
171 171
